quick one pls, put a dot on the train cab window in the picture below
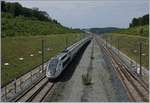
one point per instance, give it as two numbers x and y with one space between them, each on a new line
53 64
63 57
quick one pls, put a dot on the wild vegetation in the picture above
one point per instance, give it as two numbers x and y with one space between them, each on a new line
137 31
103 30
29 48
23 30
17 10
129 40
130 45
140 21
21 26
21 21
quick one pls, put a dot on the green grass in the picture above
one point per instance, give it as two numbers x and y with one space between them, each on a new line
135 31
23 26
128 44
15 47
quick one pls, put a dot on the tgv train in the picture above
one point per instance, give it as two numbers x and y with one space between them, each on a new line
57 64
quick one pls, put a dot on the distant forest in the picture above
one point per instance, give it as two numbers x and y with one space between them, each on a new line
103 30
140 21
17 10
136 22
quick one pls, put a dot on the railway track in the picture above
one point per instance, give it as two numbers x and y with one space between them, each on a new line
40 90
36 93
132 73
137 90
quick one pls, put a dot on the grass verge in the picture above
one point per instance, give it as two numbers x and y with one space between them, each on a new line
14 48
129 44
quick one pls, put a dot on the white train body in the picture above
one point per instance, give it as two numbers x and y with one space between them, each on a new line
57 64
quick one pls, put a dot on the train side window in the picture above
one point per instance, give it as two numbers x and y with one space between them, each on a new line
66 62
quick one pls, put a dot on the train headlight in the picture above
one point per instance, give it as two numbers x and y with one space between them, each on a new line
48 73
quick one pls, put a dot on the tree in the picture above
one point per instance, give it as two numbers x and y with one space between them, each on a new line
144 20
35 8
135 22
17 10
130 25
141 30
3 6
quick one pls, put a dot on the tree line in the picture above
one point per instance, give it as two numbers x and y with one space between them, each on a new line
17 9
144 20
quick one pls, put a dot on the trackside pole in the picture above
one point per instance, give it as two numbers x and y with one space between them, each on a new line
118 47
106 43
42 55
66 41
6 93
140 58
15 85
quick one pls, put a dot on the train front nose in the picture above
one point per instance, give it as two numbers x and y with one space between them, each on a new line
52 67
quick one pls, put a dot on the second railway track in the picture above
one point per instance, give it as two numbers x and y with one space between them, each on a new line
37 93
137 90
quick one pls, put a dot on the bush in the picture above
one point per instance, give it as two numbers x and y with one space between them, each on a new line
6 15
22 26
86 79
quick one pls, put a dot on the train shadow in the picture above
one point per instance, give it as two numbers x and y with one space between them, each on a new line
68 72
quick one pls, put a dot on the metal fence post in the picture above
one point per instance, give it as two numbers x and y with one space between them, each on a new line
39 72
42 55
6 93
66 42
110 40
106 43
31 76
20 84
15 85
118 47
141 58
136 56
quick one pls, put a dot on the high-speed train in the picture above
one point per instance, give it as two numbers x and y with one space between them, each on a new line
57 64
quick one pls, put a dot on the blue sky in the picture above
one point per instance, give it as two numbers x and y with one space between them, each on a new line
88 13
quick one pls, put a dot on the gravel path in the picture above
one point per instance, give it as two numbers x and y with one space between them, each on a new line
104 87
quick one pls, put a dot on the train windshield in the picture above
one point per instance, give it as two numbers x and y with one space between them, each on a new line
53 65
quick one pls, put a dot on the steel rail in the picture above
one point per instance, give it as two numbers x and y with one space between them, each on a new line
127 77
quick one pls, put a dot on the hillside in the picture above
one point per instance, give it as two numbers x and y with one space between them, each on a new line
17 47
129 40
23 30
137 31
21 21
103 30
22 26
